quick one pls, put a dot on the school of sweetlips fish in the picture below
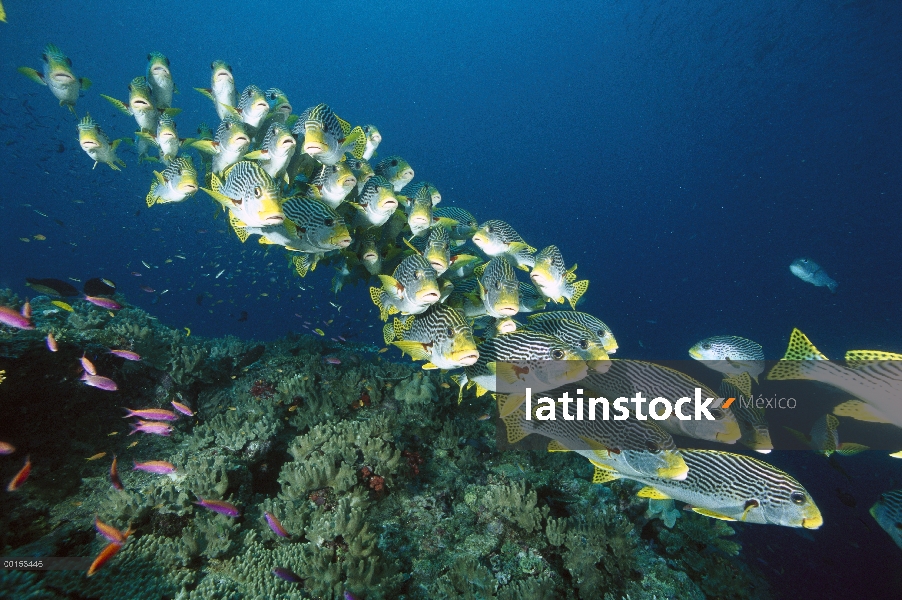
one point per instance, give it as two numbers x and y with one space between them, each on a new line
304 182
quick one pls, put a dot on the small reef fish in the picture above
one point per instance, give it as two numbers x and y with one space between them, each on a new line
14 318
396 170
591 322
109 532
810 272
887 511
287 575
87 365
177 182
21 477
6 448
220 506
105 555
222 89
103 302
160 467
373 139
114 474
496 237
185 410
153 414
327 137
410 289
51 343
730 355
160 79
97 145
97 456
60 304
440 336
249 193
152 427
99 382
228 147
275 525
276 151
58 77
126 354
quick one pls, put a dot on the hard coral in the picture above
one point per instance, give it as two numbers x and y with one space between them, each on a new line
263 389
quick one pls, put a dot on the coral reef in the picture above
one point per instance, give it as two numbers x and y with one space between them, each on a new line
386 487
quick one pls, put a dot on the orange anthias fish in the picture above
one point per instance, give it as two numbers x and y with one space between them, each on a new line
109 532
114 474
20 477
105 555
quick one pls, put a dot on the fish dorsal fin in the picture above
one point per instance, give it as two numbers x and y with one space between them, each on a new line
478 271
860 411
345 126
652 494
712 514
416 350
799 350
742 382
514 425
859 358
832 422
556 446
159 177
603 474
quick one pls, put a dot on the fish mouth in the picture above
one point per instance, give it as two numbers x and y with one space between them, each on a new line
479 239
420 220
676 469
406 174
376 138
140 104
349 183
223 75
813 522
314 148
427 296
730 435
159 69
599 365
695 354
89 145
285 108
507 311
538 278
289 141
370 256
389 204
188 188
465 359
438 265
274 219
343 242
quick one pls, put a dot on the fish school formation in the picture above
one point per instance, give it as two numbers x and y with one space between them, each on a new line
312 183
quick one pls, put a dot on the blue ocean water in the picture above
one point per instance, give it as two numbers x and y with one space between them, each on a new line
683 154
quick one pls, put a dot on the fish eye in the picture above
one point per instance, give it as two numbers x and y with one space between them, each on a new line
805 260
258 192
498 285
797 498
329 222
652 446
489 229
717 413
419 274
394 163
557 354
706 346
449 332
584 344
212 65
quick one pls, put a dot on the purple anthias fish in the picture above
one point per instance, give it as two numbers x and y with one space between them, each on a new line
126 354
154 427
103 302
102 383
287 575
154 414
160 467
275 525
182 408
14 318
221 506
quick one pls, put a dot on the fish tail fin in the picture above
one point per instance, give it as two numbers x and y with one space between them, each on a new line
832 287
388 333
579 288
513 423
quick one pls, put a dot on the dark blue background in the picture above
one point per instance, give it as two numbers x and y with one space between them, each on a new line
682 153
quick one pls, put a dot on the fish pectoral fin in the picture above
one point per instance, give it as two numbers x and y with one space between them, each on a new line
206 92
860 411
234 112
416 350
429 367
556 446
850 449
148 137
802 437
603 474
240 228
221 198
710 513
159 177
32 74
205 146
85 83
508 403
652 494
117 103
170 112
256 155
392 286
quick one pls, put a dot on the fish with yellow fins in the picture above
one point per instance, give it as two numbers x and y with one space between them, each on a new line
731 487
141 105
887 511
496 237
872 376
752 421
222 89
58 76
249 193
396 170
556 282
327 137
228 146
176 183
97 145
410 289
824 438
441 336
159 78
